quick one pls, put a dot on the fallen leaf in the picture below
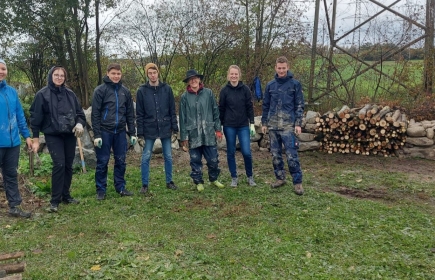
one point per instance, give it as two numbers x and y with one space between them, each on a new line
308 254
211 236
178 252
359 180
96 267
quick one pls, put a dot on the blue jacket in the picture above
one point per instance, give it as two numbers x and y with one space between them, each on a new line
155 111
283 104
112 109
12 120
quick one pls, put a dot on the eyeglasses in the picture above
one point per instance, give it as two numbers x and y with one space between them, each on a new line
59 76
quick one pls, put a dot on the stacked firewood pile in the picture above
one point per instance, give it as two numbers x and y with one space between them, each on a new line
372 129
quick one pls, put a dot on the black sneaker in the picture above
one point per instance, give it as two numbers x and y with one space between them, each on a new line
17 211
171 186
125 192
101 196
71 201
53 208
144 189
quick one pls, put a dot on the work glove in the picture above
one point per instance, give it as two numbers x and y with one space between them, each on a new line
78 130
219 136
174 137
133 140
141 142
252 129
98 142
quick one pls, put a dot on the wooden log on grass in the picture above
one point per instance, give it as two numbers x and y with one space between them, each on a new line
12 268
10 256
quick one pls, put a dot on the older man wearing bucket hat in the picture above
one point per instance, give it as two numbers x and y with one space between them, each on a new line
200 127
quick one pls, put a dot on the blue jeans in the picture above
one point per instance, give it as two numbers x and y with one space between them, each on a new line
211 155
291 145
9 166
146 157
117 142
245 146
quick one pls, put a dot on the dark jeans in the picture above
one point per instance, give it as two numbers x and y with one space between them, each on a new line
291 145
9 165
62 150
245 146
117 142
211 156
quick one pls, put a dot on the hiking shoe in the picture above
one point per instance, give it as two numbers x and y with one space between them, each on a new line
298 189
278 183
71 201
101 196
200 187
171 186
234 182
144 189
218 184
52 208
17 211
126 192
251 181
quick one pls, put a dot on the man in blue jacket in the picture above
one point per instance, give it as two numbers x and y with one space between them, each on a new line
283 109
112 111
156 119
12 123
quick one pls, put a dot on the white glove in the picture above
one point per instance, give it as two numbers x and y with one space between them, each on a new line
174 137
252 129
78 130
98 142
133 140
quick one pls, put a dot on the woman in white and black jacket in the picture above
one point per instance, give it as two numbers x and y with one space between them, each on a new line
237 117
57 113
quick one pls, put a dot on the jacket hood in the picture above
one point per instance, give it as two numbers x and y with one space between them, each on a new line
50 82
109 82
285 79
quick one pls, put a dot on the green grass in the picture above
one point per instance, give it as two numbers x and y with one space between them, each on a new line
241 233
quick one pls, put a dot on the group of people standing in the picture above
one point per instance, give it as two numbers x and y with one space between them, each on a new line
57 113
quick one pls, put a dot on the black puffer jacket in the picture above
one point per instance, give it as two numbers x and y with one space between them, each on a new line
155 111
112 109
55 110
235 105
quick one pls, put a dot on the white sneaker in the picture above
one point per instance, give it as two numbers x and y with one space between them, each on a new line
234 182
251 181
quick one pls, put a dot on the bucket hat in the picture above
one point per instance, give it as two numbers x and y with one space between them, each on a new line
192 73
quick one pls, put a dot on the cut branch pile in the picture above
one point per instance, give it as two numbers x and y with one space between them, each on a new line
372 129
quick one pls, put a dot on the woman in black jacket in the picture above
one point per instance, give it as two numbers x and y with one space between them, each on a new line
57 113
237 117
